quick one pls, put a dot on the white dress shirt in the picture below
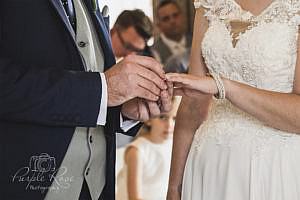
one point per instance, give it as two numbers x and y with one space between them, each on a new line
177 48
85 158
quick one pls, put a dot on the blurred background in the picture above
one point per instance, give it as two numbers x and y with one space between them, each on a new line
161 29
148 6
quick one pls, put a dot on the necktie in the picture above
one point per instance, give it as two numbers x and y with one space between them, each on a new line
70 11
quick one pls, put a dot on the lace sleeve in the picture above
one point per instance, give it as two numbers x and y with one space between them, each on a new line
203 3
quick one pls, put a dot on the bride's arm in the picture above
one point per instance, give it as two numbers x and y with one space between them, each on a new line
191 113
278 110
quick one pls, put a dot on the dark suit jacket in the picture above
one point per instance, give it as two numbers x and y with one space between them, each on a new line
44 93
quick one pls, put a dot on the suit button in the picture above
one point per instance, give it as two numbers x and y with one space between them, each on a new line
82 44
87 171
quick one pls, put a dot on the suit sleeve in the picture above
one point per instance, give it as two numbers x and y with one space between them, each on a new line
54 97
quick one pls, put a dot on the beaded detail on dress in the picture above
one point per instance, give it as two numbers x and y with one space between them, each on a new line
263 56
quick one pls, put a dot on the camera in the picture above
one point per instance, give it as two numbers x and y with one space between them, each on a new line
42 163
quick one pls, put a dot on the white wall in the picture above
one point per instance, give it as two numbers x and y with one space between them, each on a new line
117 6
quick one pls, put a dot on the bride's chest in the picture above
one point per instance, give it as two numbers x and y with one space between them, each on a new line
262 52
267 40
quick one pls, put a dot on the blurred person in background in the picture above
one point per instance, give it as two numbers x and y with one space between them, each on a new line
147 160
178 63
130 33
173 39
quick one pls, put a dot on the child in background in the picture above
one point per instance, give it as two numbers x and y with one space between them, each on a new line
147 160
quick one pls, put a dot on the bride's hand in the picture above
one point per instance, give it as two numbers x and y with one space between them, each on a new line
187 84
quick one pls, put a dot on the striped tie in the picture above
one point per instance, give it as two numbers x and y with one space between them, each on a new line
70 12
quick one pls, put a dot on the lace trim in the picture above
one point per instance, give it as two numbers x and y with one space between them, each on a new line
283 11
227 126
229 11
203 3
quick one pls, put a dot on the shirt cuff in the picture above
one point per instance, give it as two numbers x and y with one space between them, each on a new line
128 124
103 105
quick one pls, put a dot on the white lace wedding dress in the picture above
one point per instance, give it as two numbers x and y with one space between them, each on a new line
234 156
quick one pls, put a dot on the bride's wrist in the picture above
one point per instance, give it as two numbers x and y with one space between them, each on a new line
219 92
228 86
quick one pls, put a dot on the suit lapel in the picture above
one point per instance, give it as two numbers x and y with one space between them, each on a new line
61 12
101 28
106 41
103 34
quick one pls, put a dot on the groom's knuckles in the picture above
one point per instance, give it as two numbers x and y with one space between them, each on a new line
150 86
166 104
149 63
142 82
145 67
151 76
144 93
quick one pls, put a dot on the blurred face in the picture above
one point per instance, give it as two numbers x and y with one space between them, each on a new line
162 127
127 42
170 21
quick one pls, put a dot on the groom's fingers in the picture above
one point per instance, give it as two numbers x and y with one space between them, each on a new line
166 101
170 88
143 111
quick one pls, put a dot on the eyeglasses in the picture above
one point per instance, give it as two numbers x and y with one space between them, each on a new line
129 47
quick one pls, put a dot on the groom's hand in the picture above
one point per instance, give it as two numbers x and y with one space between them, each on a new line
135 76
142 110
166 98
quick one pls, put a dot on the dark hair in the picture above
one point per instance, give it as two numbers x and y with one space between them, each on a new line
137 19
163 3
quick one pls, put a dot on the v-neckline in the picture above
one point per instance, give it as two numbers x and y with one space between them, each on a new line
264 10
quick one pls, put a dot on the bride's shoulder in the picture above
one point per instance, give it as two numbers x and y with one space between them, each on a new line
204 3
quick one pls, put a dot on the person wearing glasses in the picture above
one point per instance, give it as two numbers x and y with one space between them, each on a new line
129 36
173 39
130 33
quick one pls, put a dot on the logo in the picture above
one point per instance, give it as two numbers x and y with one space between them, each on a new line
42 163
42 175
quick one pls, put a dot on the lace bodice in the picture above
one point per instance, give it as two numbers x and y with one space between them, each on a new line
263 55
